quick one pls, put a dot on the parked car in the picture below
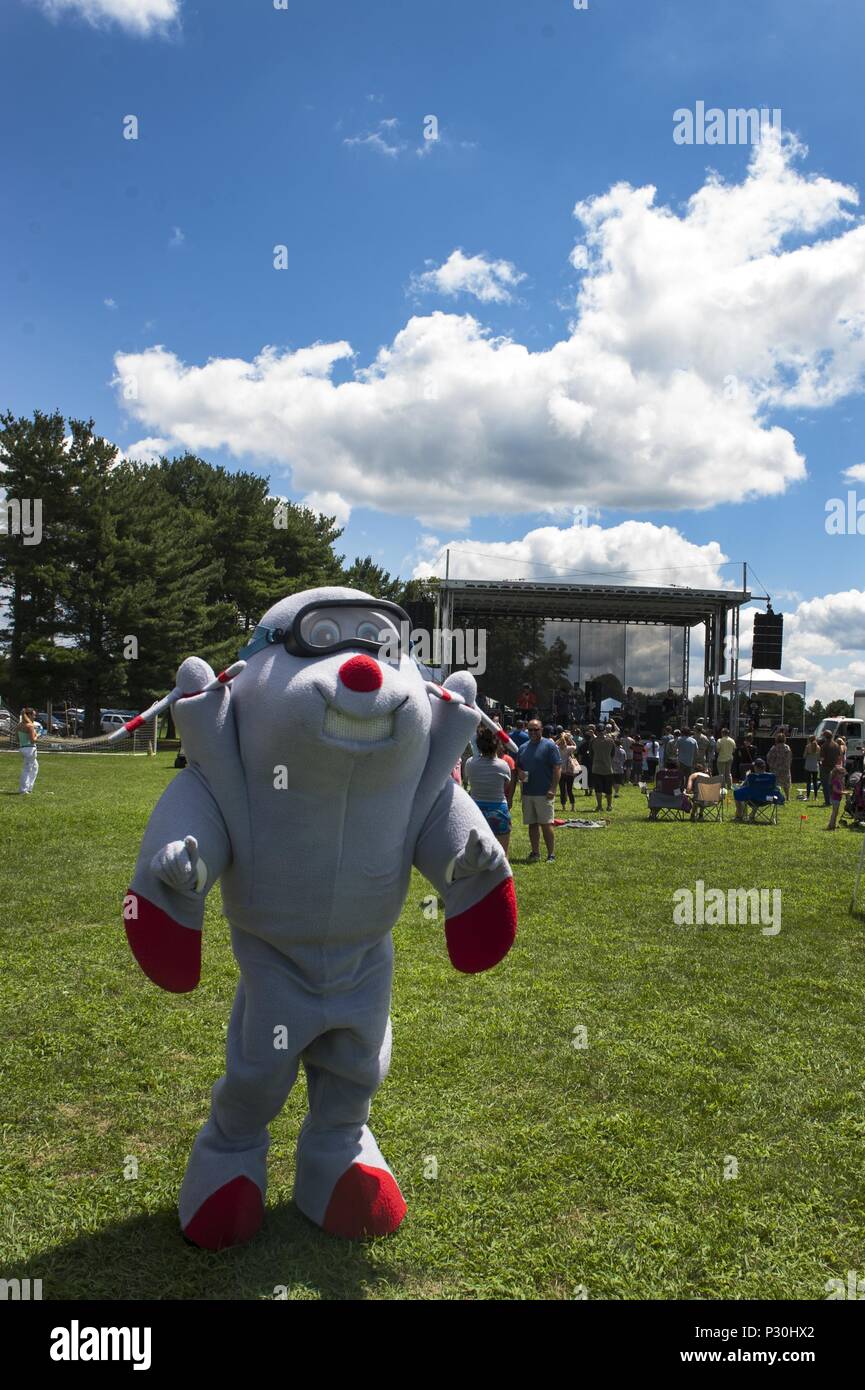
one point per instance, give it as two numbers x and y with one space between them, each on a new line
52 726
7 721
113 719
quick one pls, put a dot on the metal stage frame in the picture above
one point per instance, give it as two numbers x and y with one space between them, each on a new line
465 602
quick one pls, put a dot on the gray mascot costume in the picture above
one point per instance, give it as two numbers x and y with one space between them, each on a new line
315 781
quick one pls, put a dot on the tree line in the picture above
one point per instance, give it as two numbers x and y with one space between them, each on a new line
140 565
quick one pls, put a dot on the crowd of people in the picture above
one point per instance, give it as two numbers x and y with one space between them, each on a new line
599 759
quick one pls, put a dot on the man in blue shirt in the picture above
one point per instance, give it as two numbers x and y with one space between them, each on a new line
519 735
686 747
539 767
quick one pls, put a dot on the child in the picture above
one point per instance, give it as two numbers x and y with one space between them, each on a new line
836 785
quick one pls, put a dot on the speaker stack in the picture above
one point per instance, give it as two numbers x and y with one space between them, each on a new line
768 645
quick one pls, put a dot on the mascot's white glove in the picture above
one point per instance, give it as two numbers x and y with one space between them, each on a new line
180 866
480 853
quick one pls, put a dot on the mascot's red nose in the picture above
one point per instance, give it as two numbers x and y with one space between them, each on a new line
361 673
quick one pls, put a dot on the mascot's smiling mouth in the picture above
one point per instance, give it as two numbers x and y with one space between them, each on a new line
352 730
349 728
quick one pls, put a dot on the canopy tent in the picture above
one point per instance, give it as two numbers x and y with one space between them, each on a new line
765 682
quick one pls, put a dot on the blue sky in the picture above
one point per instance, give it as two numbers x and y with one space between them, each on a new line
303 127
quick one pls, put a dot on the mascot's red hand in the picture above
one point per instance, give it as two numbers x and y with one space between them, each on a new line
168 953
480 937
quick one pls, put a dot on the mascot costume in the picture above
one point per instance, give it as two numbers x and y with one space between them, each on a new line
317 777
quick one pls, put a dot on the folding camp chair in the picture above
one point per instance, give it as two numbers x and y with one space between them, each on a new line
709 799
763 798
668 807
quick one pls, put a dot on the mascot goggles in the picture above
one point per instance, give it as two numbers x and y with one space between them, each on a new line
336 625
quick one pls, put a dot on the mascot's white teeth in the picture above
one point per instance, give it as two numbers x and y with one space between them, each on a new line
345 726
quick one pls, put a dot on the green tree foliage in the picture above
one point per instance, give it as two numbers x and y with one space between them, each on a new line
838 709
138 566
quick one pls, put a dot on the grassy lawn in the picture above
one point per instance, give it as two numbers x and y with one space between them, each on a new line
557 1166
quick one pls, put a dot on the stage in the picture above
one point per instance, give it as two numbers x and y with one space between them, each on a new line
579 612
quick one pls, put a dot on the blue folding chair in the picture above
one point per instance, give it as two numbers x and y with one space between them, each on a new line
762 795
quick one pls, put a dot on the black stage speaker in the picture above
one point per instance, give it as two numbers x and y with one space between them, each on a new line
653 720
768 645
593 701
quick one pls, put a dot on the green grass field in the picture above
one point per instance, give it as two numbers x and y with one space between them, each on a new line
559 1168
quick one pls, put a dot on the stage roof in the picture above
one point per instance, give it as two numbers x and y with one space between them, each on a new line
600 603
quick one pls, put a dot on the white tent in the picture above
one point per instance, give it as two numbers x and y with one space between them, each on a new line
765 682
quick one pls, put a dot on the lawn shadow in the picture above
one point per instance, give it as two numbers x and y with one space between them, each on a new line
146 1257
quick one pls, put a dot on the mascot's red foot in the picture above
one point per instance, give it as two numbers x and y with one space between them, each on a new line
169 954
365 1202
230 1216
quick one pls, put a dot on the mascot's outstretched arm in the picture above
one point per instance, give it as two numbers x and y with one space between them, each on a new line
466 865
185 848
456 850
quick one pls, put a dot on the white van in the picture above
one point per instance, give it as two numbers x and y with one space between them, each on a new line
851 730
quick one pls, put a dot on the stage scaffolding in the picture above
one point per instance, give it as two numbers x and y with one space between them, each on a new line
465 603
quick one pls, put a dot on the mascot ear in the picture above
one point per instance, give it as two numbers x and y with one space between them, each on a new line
193 675
463 683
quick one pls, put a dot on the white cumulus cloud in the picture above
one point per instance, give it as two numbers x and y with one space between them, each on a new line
691 327
836 619
856 474
328 504
149 450
634 552
489 281
138 16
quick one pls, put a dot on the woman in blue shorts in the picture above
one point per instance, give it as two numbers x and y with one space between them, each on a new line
489 778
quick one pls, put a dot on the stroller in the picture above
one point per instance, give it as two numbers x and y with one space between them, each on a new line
854 806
